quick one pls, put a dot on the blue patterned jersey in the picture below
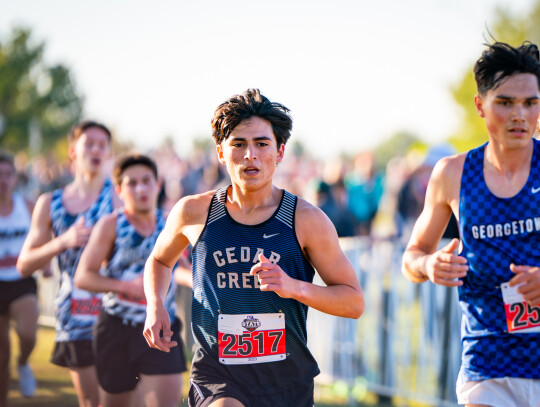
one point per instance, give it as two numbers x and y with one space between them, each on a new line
130 252
76 309
496 232
223 287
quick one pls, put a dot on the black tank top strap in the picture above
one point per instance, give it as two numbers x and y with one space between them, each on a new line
286 209
217 206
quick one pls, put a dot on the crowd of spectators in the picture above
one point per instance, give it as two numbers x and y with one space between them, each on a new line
361 197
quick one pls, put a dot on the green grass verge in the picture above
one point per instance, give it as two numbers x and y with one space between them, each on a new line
54 384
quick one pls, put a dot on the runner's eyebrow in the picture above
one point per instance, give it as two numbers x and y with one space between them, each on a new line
505 97
260 138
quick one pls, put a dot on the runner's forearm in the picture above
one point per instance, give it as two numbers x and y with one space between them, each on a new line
157 278
33 259
339 300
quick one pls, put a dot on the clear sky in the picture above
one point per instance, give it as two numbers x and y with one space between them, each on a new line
353 72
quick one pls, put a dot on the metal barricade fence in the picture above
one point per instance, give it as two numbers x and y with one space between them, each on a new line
406 344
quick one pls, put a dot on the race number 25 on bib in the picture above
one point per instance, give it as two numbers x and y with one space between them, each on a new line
251 338
521 317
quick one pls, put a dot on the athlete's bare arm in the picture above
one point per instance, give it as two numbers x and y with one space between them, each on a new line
46 270
421 260
40 246
342 295
184 225
97 251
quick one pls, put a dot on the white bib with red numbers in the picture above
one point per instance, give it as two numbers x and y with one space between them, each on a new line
251 338
521 317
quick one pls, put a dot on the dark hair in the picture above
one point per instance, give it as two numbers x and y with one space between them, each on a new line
129 160
7 158
500 60
251 103
81 127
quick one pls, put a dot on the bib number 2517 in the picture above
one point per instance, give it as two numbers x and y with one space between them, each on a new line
251 338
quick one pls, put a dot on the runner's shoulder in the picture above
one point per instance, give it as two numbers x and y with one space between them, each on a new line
311 216
448 170
44 199
107 221
192 209
41 210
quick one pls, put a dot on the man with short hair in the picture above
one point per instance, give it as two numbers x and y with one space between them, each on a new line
127 369
61 225
18 301
494 192
255 251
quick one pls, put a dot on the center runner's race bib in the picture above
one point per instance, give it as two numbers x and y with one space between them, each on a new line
251 338
521 317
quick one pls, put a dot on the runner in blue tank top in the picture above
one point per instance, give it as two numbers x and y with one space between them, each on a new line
255 248
61 225
494 192
122 241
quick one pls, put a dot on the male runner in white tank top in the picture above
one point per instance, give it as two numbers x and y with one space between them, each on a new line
18 302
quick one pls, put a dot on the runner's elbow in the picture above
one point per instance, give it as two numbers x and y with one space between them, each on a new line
78 280
23 268
357 307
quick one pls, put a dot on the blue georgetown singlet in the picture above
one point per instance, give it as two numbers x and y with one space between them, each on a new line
13 230
496 232
76 309
252 338
130 252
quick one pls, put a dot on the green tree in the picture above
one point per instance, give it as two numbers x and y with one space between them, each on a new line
508 28
38 103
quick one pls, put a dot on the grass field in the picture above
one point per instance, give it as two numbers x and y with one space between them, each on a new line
55 388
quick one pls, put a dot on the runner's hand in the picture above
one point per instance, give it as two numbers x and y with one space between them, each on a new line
528 279
157 321
273 278
445 268
77 235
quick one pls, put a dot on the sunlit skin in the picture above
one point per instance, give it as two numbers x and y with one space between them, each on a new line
251 154
90 151
139 189
511 112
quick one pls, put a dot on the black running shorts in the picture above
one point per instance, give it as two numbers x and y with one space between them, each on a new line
122 354
202 395
73 354
13 290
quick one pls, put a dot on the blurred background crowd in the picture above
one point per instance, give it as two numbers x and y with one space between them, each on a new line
361 196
